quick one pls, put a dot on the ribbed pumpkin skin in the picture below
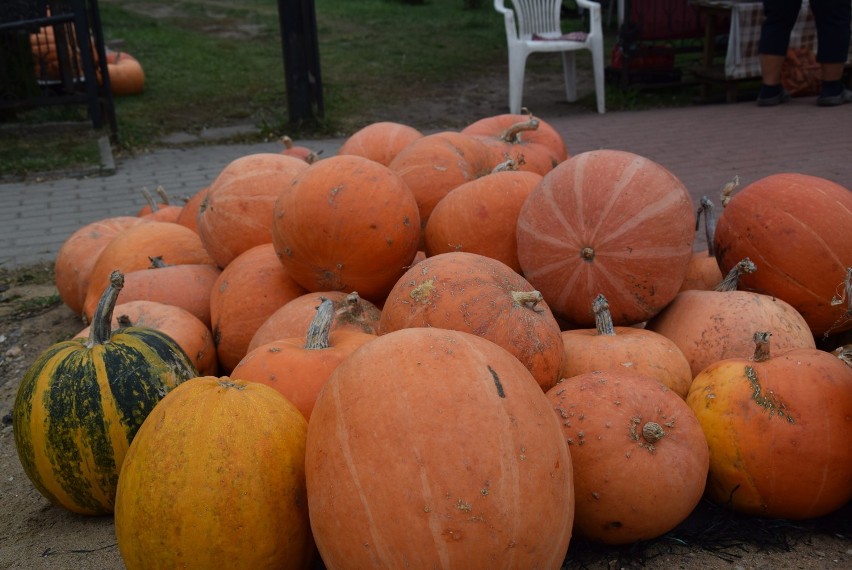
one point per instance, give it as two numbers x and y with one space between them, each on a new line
237 209
795 228
78 408
627 487
779 432
346 223
607 222
476 294
431 448
481 216
216 479
380 141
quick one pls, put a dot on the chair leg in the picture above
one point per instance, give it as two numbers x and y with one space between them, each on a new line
517 63
569 70
598 66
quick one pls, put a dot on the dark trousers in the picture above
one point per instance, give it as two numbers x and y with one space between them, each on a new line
833 19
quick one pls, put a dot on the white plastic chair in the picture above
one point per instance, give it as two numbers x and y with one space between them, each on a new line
533 26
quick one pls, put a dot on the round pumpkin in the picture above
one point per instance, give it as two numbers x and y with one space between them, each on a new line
436 448
237 211
126 76
250 289
298 367
481 216
482 296
380 141
216 479
346 224
633 349
639 455
82 401
607 222
77 256
187 330
294 318
779 426
762 221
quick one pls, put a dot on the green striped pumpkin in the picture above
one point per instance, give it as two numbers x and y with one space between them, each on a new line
82 401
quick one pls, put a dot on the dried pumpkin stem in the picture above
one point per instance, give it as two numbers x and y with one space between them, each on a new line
157 262
513 133
529 299
101 329
732 279
150 200
603 316
653 432
705 209
320 327
354 306
761 346
508 165
844 353
164 197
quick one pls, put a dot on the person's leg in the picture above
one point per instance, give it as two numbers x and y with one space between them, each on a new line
779 18
833 19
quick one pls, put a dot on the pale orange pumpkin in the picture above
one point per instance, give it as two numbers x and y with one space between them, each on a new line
778 425
380 141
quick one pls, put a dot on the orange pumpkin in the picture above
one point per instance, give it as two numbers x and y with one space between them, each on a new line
221 465
480 477
480 216
779 427
77 256
714 325
607 222
625 429
298 367
126 76
638 350
346 223
479 295
380 141
236 213
532 143
300 152
293 319
191 209
187 330
762 221
250 289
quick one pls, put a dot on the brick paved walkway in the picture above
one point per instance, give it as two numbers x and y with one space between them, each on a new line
705 146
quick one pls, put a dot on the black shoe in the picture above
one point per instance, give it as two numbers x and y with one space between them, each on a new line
844 96
782 97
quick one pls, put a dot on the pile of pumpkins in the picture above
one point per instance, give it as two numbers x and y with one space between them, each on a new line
445 349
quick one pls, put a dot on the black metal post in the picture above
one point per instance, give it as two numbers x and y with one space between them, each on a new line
301 59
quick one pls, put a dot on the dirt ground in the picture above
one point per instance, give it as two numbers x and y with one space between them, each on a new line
36 535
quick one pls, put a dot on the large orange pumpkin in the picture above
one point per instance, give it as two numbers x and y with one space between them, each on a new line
380 141
627 431
126 76
481 216
633 349
796 229
779 427
607 222
479 295
431 448
236 214
216 479
298 367
346 223
250 289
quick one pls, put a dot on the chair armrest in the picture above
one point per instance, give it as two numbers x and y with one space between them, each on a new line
508 17
594 9
588 4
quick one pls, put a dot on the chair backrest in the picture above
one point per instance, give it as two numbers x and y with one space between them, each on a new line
540 17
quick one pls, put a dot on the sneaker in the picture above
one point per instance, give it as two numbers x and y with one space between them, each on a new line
782 97
844 96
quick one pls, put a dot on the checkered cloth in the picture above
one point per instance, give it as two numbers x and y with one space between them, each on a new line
742 59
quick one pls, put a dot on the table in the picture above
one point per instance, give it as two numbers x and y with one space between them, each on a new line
742 60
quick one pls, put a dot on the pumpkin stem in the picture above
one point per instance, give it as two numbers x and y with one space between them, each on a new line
161 192
706 209
102 320
728 190
844 353
761 346
603 316
150 199
838 299
529 299
732 279
287 142
513 133
157 262
124 321
652 432
320 327
508 165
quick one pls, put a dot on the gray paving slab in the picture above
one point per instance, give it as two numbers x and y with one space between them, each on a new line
705 146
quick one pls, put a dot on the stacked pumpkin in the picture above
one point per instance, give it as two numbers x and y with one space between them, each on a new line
511 325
